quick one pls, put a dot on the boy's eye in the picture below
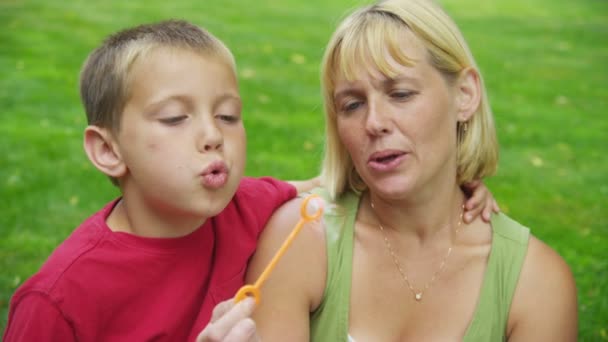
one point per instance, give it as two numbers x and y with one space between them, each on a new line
173 120
228 118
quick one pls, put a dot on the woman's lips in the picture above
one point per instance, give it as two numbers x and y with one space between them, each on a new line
386 160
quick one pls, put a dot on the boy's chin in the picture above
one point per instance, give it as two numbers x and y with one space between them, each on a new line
218 199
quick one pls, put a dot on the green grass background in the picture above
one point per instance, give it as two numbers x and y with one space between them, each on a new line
545 63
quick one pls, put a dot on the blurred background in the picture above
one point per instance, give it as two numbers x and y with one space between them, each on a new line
545 64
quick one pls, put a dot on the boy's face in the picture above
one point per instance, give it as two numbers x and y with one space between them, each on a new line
181 137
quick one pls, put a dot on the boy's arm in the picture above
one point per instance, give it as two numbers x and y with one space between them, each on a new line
36 318
480 201
306 185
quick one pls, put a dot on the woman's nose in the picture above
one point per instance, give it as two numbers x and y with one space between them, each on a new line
377 121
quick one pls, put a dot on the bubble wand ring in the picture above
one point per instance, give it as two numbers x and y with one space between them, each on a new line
254 290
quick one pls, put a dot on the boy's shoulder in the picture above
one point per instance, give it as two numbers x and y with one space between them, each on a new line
253 203
80 242
253 188
261 195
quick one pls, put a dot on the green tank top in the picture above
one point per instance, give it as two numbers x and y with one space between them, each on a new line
329 322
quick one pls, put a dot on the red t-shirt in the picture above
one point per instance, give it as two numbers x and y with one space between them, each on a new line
100 285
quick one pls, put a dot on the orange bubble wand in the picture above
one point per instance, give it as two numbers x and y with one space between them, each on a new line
254 290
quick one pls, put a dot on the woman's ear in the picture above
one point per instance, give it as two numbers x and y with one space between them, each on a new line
103 152
469 93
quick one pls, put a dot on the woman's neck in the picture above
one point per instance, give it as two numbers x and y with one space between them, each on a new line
422 218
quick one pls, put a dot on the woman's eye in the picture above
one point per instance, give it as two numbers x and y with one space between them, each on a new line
351 106
173 120
401 95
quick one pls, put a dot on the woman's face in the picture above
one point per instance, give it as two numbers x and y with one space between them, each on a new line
400 132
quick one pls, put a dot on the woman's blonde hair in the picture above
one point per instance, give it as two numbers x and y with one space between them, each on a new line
362 39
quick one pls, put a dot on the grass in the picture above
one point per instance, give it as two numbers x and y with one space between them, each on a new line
544 63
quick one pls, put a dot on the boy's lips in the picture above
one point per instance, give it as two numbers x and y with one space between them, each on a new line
386 160
215 175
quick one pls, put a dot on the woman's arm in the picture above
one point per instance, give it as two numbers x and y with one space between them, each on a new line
544 306
296 285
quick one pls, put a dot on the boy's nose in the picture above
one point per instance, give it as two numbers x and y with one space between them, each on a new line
212 146
210 137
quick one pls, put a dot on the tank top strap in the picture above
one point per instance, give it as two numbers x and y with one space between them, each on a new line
330 322
507 254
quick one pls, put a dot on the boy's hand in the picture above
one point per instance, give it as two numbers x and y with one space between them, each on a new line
306 185
231 322
479 202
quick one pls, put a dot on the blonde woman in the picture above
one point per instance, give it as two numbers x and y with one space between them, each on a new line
408 122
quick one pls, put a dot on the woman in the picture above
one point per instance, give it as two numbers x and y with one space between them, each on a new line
408 122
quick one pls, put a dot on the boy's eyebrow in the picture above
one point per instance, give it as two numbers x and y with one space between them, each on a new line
186 99
158 103
229 96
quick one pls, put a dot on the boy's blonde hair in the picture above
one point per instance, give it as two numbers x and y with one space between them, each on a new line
105 75
361 40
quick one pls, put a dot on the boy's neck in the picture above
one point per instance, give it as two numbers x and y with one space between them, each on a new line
141 222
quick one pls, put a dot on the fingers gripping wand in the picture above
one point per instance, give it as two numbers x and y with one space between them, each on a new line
316 204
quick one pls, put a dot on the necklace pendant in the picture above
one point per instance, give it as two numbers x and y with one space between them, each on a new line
418 296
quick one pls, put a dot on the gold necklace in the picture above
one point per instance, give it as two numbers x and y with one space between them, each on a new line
417 293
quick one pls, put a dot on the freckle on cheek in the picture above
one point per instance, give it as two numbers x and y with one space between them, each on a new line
152 146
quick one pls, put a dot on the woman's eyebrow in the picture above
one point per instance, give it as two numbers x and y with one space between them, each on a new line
390 81
345 93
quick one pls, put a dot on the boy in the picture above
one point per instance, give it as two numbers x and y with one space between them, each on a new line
165 125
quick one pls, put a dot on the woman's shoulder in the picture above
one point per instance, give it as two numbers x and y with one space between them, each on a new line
300 264
505 227
540 260
544 268
544 306
282 224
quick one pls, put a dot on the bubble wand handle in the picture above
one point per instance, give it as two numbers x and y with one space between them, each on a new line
254 290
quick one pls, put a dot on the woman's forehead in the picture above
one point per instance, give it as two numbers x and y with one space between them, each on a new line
377 48
381 63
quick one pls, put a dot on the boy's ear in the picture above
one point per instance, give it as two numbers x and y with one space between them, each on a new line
469 94
102 151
